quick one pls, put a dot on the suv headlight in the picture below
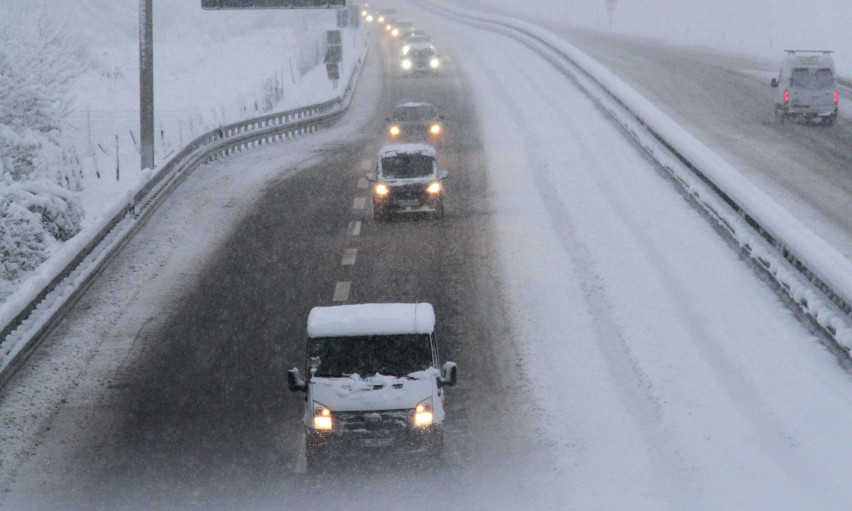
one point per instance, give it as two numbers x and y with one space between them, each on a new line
382 189
322 416
423 413
394 130
434 187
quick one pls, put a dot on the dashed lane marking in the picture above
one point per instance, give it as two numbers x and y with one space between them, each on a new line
359 203
349 255
354 228
301 465
341 292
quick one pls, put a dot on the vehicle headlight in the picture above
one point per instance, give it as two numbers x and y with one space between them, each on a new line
395 32
394 130
405 49
423 413
434 62
381 19
364 12
406 64
388 27
382 189
435 129
369 18
435 187
322 416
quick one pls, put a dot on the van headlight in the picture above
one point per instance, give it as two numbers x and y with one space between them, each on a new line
394 130
434 187
406 64
423 413
322 416
434 63
435 129
382 189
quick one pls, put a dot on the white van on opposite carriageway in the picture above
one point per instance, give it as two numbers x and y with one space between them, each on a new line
373 382
806 87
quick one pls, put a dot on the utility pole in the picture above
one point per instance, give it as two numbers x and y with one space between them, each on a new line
146 84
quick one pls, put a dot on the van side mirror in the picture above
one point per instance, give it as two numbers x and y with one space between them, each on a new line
774 83
371 177
449 375
294 381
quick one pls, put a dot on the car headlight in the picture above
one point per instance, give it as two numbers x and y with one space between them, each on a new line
387 27
364 12
405 49
369 18
434 62
434 187
406 64
382 189
394 130
423 413
435 129
381 19
322 416
395 32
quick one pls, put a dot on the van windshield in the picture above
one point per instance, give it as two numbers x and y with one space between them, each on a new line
404 166
811 78
392 355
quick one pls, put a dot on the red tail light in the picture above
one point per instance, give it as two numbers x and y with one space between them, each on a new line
836 99
786 95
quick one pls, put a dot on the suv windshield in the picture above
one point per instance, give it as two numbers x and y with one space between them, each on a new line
393 355
414 113
403 166
810 78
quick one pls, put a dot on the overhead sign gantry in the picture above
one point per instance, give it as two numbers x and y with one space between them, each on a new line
272 4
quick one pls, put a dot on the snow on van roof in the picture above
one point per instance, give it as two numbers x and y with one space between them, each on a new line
371 319
407 148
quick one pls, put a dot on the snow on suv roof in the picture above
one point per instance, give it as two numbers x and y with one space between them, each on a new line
371 319
407 148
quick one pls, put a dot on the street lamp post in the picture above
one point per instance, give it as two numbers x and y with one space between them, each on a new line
146 84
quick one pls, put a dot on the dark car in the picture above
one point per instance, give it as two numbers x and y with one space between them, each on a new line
416 122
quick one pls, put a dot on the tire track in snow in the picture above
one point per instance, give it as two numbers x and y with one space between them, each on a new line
633 385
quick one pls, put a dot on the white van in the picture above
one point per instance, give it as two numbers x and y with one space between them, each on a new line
806 87
372 382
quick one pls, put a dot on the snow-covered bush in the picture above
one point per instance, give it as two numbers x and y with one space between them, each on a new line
37 171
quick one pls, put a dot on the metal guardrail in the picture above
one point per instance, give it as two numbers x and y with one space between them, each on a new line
824 284
115 233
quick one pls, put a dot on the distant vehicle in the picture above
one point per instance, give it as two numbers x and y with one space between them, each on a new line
806 87
416 38
372 381
402 29
386 18
416 121
420 59
407 180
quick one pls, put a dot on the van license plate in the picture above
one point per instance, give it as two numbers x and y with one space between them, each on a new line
375 442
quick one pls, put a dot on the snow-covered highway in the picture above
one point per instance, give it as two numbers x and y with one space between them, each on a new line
614 350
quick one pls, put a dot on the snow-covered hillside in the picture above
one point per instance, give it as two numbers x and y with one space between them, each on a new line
203 78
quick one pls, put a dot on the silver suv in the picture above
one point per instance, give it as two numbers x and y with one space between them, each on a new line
407 180
806 87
